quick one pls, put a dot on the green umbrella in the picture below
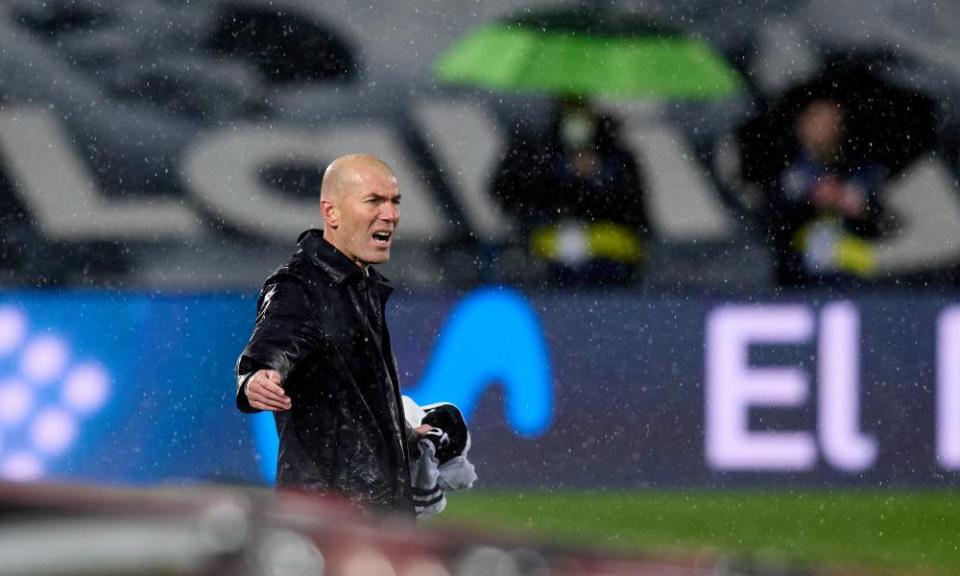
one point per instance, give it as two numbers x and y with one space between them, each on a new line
590 54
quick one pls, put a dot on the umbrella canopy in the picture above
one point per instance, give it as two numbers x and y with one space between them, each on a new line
886 123
589 54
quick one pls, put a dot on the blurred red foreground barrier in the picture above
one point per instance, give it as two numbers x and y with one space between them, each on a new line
79 530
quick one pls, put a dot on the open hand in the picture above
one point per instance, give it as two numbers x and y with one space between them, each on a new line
264 392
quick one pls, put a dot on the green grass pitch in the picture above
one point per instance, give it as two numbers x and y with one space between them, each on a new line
891 531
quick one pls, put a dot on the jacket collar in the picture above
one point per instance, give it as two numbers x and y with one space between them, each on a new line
334 262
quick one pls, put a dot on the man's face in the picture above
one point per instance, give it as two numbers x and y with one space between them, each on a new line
820 127
369 211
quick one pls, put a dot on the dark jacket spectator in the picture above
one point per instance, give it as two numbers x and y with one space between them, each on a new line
824 206
577 195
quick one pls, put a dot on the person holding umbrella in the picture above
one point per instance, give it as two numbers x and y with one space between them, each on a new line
825 206
823 153
578 196
575 191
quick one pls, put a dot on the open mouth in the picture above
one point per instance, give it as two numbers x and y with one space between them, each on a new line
382 238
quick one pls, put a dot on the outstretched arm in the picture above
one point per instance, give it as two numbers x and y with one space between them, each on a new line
285 334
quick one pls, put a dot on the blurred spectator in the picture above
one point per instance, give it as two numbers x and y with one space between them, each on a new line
577 196
824 206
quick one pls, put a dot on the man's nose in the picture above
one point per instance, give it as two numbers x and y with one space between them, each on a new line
390 212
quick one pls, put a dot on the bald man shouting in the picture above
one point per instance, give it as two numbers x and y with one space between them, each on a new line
320 357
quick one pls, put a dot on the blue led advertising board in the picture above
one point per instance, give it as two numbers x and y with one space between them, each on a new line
587 391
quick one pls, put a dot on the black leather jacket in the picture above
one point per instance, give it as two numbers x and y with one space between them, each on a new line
321 324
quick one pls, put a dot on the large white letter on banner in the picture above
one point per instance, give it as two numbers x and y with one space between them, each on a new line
733 387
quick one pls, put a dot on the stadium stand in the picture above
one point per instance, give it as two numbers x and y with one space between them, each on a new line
187 153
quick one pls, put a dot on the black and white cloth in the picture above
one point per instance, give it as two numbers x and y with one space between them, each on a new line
439 464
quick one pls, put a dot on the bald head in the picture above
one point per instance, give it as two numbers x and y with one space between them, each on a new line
360 205
350 171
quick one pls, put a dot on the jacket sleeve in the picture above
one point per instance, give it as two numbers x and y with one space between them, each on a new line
286 332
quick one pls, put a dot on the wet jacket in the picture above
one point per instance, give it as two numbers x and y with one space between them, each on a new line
321 325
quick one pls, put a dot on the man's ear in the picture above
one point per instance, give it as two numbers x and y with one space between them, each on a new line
330 214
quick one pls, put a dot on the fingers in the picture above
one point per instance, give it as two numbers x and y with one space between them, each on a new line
268 405
272 390
264 392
